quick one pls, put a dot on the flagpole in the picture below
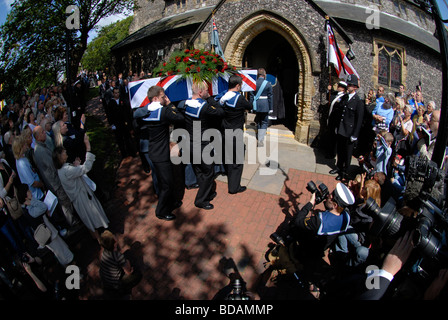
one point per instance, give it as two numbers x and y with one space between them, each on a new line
329 83
337 48
327 18
211 44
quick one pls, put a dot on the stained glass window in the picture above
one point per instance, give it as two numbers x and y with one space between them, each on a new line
390 66
395 71
383 68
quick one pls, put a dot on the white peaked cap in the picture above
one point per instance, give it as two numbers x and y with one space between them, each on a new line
343 196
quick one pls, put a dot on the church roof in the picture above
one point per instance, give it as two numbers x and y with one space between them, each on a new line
184 19
350 12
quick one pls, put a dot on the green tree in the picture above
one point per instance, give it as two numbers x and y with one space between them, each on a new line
98 54
34 38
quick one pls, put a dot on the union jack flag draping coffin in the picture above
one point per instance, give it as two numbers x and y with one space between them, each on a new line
178 88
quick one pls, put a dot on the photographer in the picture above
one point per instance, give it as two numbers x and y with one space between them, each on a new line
326 225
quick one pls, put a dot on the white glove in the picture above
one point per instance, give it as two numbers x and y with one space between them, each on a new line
114 127
353 139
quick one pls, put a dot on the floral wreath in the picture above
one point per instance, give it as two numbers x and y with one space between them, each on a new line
194 63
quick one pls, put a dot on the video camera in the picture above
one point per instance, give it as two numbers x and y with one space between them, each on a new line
321 192
430 226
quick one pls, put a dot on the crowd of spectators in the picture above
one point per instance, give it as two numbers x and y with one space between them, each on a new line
396 127
45 151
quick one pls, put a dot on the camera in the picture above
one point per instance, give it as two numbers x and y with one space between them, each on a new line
237 291
321 192
386 220
425 184
25 258
423 179
423 170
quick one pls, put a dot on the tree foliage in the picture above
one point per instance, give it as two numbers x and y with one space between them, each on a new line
34 39
98 54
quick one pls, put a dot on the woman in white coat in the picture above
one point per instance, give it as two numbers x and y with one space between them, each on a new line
73 181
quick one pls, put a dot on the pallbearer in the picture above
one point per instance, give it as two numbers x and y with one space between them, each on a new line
159 115
234 105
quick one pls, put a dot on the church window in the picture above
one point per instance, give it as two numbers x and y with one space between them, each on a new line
390 65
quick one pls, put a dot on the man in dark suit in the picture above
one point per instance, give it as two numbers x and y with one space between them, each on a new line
263 102
158 116
201 113
103 88
348 127
120 120
333 118
124 90
234 105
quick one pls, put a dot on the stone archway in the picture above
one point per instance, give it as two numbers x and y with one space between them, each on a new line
247 30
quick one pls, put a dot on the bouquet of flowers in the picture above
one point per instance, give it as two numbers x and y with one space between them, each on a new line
194 63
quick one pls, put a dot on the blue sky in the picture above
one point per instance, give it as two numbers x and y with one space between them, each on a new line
6 4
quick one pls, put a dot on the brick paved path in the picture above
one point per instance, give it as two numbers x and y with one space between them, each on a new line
180 259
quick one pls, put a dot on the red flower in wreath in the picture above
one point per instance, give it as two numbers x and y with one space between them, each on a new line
186 51
198 69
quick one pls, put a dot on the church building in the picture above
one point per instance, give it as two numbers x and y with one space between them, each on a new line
393 41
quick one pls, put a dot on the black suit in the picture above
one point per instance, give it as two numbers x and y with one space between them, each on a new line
334 115
376 293
205 116
234 120
157 126
120 116
124 92
351 111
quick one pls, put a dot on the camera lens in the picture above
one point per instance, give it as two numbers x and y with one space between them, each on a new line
386 220
277 239
311 187
425 240
371 208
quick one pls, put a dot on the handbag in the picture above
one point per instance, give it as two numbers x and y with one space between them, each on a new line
14 207
42 235
12 203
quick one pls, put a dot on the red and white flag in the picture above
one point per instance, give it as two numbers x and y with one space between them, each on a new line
337 58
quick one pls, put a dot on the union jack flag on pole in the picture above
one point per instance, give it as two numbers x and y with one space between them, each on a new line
336 57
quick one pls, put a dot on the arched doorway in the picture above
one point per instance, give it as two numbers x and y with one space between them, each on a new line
241 38
273 52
